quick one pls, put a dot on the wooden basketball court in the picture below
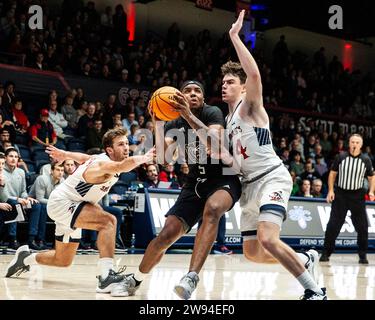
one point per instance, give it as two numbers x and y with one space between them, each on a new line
223 278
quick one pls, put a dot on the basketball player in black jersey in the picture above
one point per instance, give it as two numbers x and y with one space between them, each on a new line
207 195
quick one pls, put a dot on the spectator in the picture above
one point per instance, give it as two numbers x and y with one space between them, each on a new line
305 189
57 119
40 190
152 176
94 138
167 174
320 166
309 173
42 133
82 109
183 174
70 113
86 121
316 188
16 188
296 165
129 120
295 188
39 62
326 144
8 99
20 118
110 109
318 153
69 167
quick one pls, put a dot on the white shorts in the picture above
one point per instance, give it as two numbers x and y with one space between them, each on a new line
269 194
64 213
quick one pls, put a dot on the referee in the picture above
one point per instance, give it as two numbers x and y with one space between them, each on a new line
351 168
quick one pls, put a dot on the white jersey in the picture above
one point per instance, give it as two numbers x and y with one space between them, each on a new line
251 147
75 188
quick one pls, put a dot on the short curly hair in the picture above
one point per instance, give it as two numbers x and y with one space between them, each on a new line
235 69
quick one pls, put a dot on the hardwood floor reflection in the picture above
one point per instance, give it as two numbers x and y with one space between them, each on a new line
223 278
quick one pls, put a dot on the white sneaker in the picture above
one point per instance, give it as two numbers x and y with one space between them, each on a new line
126 288
187 285
312 264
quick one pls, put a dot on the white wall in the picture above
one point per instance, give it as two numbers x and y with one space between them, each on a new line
363 56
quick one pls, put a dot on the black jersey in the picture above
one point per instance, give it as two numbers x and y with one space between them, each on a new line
195 153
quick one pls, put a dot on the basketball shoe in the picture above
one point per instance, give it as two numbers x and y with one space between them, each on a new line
127 287
17 265
106 285
187 285
312 295
312 264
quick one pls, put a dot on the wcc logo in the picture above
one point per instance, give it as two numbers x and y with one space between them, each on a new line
300 215
36 18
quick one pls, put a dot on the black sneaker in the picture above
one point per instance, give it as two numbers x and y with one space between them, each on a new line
324 257
42 245
363 260
105 285
34 246
312 295
17 265
13 245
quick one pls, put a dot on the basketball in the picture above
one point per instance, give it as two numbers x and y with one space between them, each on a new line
160 104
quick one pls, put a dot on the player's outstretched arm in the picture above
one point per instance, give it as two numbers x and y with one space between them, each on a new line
253 82
62 155
102 168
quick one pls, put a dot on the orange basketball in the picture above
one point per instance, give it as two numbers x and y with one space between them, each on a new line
160 104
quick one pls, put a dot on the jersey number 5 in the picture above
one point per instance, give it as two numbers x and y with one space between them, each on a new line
202 170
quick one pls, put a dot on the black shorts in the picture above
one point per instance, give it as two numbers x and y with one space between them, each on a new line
192 199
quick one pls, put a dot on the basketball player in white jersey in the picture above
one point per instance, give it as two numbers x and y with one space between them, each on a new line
266 182
73 206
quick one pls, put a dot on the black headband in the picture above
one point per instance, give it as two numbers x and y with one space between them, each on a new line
188 82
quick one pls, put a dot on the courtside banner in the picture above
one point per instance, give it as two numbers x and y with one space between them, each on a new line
305 224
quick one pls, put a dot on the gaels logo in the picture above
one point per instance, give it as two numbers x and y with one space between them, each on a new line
71 208
104 189
276 196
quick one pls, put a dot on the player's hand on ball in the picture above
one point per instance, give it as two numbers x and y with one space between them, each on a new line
181 104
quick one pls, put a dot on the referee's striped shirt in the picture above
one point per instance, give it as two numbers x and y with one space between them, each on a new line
352 170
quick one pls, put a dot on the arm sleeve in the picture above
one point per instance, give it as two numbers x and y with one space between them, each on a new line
336 163
61 121
105 201
23 185
53 134
4 195
40 190
33 131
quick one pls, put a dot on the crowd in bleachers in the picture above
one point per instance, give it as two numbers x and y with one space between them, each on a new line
94 44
